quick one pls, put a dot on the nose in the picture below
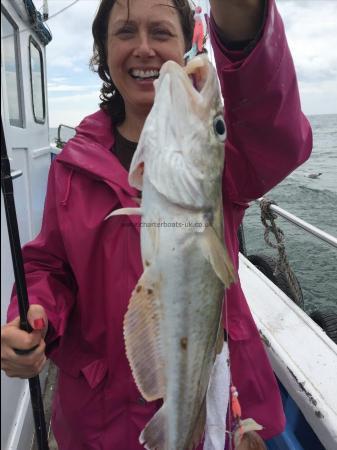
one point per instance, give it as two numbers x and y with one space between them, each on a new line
144 48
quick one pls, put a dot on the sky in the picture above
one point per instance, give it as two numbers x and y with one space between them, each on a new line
73 89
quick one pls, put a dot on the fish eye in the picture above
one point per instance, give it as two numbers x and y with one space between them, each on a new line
219 127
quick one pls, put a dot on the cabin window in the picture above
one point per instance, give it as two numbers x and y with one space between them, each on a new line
37 82
10 63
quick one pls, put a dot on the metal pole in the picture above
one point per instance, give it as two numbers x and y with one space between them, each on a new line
20 281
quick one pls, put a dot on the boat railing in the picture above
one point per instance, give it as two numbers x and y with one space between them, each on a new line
317 232
59 142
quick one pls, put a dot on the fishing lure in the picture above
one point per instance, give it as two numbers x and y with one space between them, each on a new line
244 430
198 39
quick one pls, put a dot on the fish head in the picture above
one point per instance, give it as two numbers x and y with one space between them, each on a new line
182 143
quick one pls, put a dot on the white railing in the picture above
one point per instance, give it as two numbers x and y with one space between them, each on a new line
326 237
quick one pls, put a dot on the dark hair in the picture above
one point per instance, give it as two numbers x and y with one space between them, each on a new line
112 101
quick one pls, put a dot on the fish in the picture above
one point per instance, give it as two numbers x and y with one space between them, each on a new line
246 438
173 325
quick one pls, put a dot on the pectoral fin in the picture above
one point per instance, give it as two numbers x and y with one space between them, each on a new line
125 211
216 253
250 425
246 438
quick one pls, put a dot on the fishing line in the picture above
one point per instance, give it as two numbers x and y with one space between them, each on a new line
229 432
62 10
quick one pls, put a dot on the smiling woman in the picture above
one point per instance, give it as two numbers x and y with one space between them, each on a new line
81 269
139 37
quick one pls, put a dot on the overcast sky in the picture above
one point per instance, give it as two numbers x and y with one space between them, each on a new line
73 90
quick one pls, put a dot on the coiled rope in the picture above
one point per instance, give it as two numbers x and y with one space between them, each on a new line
282 264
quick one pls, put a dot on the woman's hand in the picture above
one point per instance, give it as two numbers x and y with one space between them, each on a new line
239 20
12 337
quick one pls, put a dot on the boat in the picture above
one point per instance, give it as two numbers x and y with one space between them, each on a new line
303 356
302 351
24 113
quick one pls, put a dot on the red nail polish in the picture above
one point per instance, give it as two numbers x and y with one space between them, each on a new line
39 324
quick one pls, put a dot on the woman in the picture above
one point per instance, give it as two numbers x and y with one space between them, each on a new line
82 270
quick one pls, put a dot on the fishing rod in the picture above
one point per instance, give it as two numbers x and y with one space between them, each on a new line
20 281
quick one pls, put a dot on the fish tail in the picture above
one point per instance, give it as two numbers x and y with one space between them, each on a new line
154 436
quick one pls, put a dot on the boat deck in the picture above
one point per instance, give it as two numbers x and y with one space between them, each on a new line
303 357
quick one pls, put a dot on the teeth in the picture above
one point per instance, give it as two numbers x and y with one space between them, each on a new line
145 73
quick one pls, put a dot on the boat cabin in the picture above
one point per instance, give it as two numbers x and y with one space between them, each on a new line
24 114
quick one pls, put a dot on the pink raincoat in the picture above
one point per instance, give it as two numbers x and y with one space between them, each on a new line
83 269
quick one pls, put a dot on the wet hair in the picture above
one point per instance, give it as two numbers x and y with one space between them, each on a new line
111 99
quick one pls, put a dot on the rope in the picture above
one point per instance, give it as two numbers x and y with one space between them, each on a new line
62 10
282 264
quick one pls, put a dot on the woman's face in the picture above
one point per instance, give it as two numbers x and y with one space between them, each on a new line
139 41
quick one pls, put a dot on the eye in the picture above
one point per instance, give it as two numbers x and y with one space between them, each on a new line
125 31
161 33
219 127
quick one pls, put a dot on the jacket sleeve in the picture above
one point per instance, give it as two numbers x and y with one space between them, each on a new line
267 134
49 277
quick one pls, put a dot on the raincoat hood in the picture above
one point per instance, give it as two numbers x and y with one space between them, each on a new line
90 152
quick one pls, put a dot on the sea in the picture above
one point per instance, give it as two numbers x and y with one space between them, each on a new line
313 261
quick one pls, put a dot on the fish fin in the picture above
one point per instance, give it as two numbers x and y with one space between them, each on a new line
216 253
125 211
250 425
154 437
245 437
199 428
142 337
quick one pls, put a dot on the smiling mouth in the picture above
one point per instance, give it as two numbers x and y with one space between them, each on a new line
144 75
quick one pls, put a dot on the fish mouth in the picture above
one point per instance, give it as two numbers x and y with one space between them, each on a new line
196 76
197 70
